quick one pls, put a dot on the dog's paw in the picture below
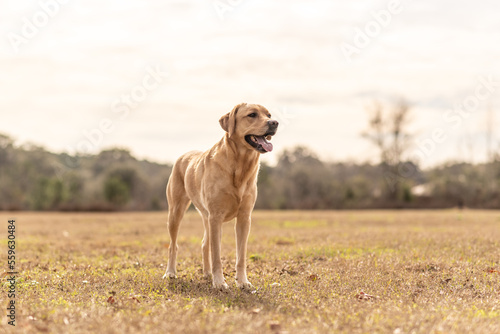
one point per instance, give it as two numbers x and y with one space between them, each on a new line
247 286
169 275
222 286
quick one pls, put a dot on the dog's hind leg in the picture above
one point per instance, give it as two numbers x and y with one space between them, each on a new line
178 202
205 248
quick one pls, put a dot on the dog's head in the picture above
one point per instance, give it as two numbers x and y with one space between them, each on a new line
250 124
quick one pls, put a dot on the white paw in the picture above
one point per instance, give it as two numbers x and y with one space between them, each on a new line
169 275
245 286
221 286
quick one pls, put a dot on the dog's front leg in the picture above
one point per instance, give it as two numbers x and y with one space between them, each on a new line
242 230
215 225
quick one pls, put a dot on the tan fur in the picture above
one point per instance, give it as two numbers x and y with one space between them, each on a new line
222 185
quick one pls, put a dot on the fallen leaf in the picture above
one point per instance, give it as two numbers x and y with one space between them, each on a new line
255 311
275 325
313 278
288 271
134 298
365 296
284 242
111 300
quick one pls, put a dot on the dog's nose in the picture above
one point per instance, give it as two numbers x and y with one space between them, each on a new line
273 124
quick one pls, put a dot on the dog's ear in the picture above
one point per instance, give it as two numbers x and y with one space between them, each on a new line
224 122
228 121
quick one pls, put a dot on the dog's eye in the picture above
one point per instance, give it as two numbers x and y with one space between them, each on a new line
253 115
269 115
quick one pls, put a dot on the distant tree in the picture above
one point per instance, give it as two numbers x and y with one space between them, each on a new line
48 194
127 175
75 187
111 157
5 141
56 193
305 182
301 155
116 191
6 145
388 131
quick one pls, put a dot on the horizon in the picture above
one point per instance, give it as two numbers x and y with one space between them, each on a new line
269 162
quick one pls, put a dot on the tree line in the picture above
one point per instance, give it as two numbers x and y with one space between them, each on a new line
32 178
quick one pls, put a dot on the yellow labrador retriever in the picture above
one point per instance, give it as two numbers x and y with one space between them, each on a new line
222 185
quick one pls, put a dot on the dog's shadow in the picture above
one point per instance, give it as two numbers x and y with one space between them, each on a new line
202 288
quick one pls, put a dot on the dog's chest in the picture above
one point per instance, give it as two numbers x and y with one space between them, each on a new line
244 184
245 190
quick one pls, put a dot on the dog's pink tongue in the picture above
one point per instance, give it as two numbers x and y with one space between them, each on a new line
265 144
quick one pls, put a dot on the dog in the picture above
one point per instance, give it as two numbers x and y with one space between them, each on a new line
222 185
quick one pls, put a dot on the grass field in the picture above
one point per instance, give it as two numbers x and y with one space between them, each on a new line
316 272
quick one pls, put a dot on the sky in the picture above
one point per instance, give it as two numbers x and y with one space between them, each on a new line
155 76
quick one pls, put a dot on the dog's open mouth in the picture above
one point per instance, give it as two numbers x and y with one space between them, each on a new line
260 143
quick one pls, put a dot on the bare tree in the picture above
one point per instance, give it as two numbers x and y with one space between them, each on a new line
388 131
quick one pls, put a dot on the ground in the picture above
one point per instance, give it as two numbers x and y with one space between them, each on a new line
316 272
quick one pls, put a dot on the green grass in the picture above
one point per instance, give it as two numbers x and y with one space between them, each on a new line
427 272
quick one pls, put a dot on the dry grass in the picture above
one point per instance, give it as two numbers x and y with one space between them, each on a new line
351 272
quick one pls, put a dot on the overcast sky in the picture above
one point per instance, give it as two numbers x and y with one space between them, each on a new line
155 76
